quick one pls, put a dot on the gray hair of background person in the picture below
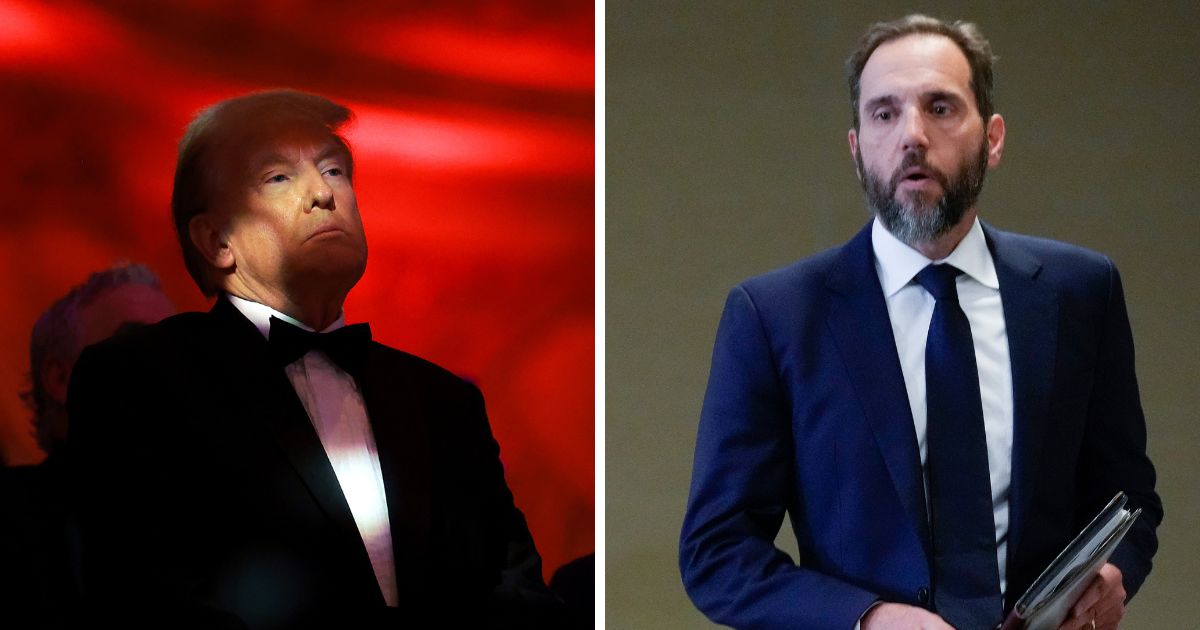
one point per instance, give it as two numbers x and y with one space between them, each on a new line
56 337
965 35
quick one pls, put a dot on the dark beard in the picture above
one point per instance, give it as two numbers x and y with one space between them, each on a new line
921 220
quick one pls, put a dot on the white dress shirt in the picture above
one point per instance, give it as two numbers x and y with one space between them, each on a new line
336 408
910 308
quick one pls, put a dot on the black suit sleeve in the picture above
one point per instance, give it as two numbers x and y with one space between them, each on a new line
519 598
1114 449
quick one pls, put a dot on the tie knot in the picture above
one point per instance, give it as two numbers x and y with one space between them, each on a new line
938 280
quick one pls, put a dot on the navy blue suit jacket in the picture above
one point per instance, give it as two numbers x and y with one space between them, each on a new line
806 413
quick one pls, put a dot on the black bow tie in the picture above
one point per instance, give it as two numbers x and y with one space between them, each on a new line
346 346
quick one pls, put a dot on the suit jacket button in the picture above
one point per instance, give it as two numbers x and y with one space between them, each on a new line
923 595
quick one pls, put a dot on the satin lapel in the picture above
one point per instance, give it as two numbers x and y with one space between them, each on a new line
268 397
400 420
1031 319
861 326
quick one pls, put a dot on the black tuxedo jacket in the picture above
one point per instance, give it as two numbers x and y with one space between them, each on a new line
205 498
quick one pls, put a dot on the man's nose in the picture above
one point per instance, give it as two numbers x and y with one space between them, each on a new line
322 193
913 132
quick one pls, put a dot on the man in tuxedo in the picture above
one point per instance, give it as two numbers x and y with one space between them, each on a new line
938 406
264 465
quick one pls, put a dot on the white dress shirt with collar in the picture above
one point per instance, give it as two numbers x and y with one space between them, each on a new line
335 405
910 308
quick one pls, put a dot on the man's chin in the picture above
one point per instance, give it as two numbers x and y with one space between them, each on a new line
335 249
332 266
918 202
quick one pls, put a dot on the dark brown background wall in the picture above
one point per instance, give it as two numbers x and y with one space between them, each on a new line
726 156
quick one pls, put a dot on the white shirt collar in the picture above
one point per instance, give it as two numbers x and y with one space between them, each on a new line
898 263
260 315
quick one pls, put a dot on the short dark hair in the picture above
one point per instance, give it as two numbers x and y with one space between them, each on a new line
965 35
57 337
230 126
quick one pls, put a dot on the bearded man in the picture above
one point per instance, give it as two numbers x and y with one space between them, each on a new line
937 405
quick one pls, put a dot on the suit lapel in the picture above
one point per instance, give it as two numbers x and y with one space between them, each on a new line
402 438
266 395
1031 319
863 332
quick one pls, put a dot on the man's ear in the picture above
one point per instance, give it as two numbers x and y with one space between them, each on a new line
55 377
995 137
852 138
211 240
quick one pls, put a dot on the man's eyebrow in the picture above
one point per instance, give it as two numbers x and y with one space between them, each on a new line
269 159
330 150
930 96
886 99
275 158
943 95
333 150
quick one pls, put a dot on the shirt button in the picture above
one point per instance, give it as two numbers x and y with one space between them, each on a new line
923 595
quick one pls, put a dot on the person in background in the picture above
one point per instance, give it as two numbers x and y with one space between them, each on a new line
114 300
39 581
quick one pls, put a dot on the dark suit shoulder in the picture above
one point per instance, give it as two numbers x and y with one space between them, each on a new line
1071 269
809 271
805 285
186 357
178 333
192 328
1049 250
413 366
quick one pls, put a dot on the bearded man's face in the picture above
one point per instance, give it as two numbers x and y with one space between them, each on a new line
921 147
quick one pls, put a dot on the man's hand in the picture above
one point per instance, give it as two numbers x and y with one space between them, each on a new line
902 617
1102 602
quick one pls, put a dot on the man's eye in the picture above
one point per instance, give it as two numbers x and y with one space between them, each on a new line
277 179
335 171
941 110
884 115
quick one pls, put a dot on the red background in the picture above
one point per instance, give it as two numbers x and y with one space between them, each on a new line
475 159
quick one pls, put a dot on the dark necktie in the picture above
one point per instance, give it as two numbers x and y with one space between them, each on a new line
966 577
346 346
